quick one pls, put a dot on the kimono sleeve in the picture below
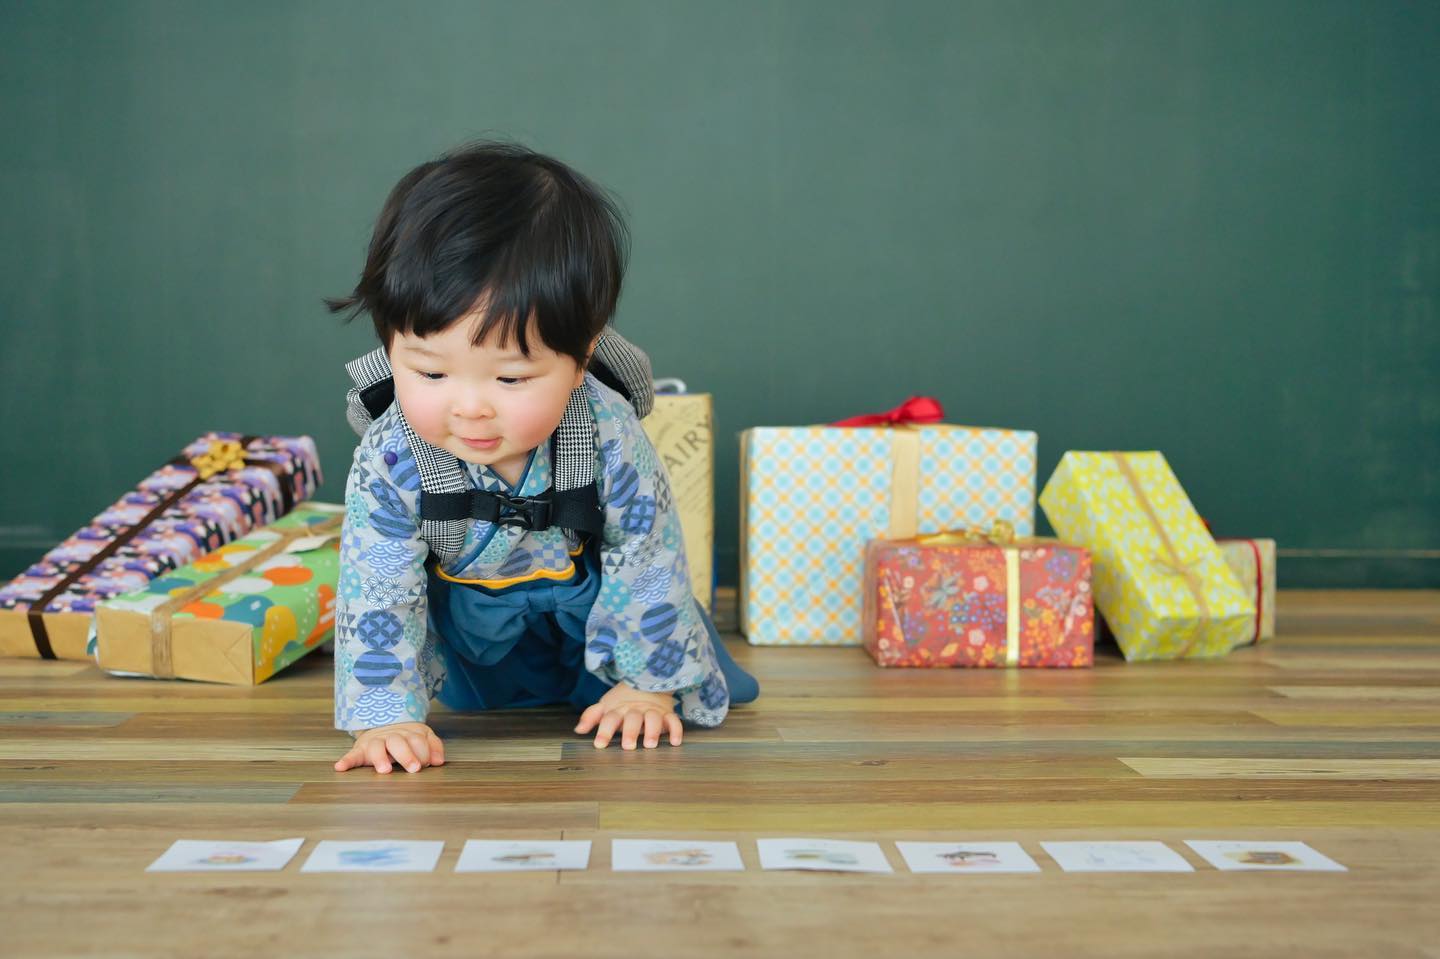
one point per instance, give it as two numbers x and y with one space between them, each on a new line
381 673
645 628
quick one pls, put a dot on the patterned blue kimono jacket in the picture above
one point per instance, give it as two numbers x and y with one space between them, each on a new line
404 626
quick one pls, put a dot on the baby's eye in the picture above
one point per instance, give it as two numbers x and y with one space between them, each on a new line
430 376
513 380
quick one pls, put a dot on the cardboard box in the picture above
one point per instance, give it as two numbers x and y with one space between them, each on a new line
682 429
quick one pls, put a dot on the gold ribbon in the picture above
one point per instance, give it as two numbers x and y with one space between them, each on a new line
904 482
1001 534
162 663
1170 563
221 457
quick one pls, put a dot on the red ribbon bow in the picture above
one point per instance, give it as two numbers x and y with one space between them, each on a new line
917 409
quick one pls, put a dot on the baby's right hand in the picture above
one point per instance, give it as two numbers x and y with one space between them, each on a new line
412 745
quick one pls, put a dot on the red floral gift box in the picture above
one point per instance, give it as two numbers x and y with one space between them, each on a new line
966 599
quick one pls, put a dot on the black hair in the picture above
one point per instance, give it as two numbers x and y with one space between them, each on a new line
499 221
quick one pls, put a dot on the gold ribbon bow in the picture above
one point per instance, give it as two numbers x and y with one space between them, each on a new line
1002 533
222 456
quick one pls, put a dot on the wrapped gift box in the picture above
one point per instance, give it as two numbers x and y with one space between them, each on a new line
237 615
1253 563
682 428
1159 579
957 600
811 498
219 488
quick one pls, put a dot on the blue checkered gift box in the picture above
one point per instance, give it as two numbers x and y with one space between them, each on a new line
812 497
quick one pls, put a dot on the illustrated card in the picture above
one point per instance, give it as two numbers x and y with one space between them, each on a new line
220 855
673 855
1263 856
374 855
1133 856
827 855
966 858
505 855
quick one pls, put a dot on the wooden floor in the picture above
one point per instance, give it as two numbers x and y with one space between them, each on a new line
1330 735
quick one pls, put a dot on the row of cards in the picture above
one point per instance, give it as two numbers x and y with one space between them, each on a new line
653 855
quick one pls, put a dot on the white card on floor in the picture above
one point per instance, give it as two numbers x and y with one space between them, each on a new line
828 855
1271 856
683 855
966 858
507 855
206 855
1138 856
374 855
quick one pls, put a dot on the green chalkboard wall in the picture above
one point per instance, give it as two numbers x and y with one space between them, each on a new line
1211 228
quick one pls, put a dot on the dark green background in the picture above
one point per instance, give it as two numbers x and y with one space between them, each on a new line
1211 228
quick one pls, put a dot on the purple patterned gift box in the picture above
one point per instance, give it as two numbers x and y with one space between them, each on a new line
219 488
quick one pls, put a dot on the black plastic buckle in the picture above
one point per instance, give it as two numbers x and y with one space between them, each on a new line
526 512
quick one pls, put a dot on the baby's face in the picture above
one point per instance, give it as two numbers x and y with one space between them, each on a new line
488 404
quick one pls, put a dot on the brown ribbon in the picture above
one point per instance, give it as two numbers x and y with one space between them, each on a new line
218 457
1171 563
162 663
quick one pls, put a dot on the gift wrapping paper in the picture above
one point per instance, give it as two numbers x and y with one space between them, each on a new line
1253 563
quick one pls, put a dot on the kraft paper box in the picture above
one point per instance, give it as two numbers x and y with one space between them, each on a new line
237 615
681 427
1253 563
951 600
1159 579
219 488
812 498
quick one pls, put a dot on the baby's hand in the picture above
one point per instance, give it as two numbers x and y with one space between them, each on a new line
412 745
630 710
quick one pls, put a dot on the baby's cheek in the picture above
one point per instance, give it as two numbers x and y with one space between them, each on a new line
426 412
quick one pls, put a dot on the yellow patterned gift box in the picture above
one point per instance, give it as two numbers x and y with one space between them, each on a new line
813 497
680 426
1159 579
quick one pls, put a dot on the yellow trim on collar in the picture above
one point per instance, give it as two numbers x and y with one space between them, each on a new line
539 574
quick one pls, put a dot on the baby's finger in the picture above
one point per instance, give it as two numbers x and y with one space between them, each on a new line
608 725
589 718
654 723
377 756
437 751
676 727
400 749
420 746
355 757
634 721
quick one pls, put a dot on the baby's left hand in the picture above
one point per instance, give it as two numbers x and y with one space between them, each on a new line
629 710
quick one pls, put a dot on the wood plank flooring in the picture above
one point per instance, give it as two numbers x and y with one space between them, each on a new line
1330 735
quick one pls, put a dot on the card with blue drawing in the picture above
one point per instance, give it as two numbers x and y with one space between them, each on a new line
1262 856
375 855
222 855
504 855
673 855
823 855
966 858
1131 856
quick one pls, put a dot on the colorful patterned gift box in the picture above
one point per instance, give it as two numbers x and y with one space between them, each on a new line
220 487
681 428
956 599
1253 563
237 615
1159 578
812 497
